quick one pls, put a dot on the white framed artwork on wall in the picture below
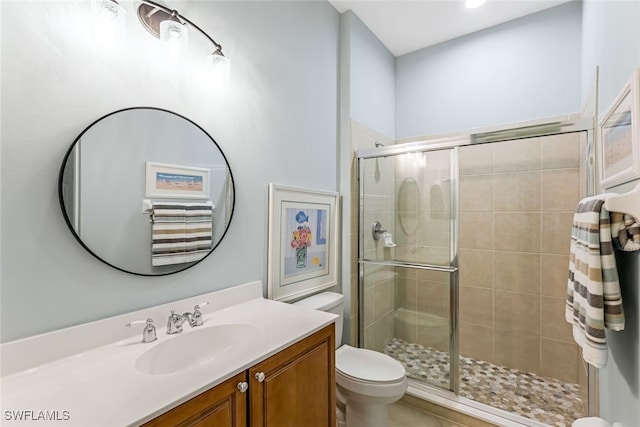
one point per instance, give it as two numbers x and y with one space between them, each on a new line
618 141
303 241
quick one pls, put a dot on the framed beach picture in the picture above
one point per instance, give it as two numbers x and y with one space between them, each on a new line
174 181
619 133
303 241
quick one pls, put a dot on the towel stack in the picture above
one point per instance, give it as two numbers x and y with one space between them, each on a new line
181 232
594 301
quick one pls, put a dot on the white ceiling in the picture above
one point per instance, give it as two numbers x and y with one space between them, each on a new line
404 26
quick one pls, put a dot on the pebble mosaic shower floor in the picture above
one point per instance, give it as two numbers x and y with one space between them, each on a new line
546 400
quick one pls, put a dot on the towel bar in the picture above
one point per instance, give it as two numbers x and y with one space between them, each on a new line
628 203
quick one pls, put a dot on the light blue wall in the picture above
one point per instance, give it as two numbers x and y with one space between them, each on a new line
373 79
611 41
277 123
518 71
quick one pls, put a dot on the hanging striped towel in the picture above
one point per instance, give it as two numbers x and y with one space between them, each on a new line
593 291
625 232
180 232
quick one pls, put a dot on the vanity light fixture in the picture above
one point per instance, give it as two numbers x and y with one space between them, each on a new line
171 27
472 4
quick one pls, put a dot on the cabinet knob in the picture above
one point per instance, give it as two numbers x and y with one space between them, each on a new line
243 386
260 376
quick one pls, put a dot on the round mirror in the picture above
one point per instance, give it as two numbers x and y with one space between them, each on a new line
146 191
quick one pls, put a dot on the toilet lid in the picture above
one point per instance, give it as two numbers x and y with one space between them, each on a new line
367 365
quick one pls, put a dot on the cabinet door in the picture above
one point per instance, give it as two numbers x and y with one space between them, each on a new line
222 406
296 387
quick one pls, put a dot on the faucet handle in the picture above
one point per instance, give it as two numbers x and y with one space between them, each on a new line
199 306
197 315
149 331
173 323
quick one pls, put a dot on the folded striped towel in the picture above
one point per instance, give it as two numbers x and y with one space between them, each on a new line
180 232
594 301
625 232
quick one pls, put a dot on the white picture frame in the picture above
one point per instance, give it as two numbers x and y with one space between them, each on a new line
619 134
301 221
163 180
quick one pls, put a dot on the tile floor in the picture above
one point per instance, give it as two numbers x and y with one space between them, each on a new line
403 415
547 400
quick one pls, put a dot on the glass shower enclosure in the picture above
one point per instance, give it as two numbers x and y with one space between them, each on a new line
462 256
408 259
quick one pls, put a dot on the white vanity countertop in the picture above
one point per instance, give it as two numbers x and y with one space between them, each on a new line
101 386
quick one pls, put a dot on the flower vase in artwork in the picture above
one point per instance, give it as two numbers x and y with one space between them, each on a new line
301 239
301 257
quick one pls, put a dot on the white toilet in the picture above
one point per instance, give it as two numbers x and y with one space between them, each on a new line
593 422
367 381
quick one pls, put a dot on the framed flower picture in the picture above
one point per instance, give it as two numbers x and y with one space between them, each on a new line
619 137
303 241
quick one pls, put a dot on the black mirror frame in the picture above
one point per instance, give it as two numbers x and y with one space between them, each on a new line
77 237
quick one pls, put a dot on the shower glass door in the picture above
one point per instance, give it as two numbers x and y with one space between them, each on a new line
408 260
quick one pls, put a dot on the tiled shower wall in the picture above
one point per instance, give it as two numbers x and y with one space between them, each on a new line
379 280
517 200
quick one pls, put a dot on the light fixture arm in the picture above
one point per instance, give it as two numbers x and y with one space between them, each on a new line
216 44
173 13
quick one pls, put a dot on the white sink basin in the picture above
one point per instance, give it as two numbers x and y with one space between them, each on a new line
208 344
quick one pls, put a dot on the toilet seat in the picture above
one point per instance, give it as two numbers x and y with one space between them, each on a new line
365 375
368 366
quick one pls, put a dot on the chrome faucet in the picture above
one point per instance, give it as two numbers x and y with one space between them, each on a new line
174 324
175 321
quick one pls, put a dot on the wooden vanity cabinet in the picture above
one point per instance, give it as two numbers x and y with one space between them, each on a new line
293 388
222 406
296 387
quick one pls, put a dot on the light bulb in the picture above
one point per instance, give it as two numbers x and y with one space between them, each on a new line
219 67
108 23
173 32
110 11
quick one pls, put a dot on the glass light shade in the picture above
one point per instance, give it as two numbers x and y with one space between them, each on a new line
173 32
219 67
110 11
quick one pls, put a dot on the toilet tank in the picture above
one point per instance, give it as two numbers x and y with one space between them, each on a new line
330 302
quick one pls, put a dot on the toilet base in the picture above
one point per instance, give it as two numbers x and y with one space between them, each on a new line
363 415
341 420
